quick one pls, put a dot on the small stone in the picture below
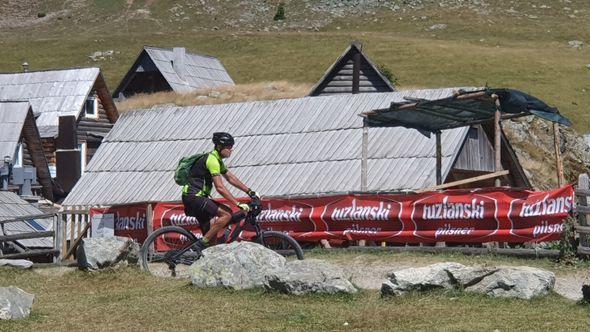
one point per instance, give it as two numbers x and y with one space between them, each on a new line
435 27
577 44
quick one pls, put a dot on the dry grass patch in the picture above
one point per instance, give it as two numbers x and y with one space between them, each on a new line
220 95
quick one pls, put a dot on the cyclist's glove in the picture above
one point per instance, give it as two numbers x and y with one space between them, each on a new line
252 194
244 206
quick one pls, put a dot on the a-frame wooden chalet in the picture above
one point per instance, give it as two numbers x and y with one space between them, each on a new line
353 72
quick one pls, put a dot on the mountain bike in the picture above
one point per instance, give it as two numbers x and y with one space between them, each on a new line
170 250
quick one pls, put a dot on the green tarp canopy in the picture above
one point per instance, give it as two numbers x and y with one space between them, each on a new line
462 109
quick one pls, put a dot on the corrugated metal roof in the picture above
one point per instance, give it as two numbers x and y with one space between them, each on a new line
52 93
12 206
201 71
12 119
302 146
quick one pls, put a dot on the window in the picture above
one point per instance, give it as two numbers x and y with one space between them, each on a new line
473 133
82 148
91 107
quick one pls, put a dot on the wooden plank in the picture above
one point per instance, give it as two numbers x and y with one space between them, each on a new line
465 181
22 236
581 205
77 242
558 161
583 209
438 159
497 139
520 252
583 250
31 253
24 218
582 229
582 192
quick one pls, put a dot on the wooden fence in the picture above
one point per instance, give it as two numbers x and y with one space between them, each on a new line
29 253
583 210
74 226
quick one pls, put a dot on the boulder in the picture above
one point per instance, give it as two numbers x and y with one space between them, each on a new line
17 263
470 275
435 276
309 276
106 252
521 282
15 303
238 265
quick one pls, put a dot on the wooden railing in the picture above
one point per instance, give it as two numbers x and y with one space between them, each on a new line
29 253
583 209
74 226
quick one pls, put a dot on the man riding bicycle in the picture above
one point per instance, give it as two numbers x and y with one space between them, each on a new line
205 172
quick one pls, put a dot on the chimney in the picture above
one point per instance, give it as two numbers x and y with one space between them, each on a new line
178 61
25 67
67 156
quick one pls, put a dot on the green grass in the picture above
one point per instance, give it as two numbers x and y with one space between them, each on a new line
131 300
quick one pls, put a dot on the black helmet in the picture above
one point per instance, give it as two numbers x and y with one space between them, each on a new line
223 139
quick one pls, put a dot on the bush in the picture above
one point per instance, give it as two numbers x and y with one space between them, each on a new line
280 15
388 74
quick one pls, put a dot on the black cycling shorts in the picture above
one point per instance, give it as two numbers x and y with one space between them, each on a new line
202 208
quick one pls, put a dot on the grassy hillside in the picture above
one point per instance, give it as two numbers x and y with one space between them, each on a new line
516 44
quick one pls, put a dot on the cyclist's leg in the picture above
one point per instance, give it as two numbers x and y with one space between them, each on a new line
201 209
222 218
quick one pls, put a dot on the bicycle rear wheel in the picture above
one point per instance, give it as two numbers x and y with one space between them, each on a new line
281 243
168 252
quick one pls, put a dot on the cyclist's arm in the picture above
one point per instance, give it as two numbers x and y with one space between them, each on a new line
234 181
223 191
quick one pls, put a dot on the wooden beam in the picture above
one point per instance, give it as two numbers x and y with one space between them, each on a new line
438 159
497 139
77 242
356 72
30 253
465 181
558 161
24 218
22 236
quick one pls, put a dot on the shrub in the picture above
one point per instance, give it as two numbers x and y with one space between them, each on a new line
388 74
280 15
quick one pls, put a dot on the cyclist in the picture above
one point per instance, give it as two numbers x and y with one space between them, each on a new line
205 172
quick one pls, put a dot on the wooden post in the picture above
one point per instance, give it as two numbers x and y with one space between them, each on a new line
57 237
364 158
356 72
497 139
438 159
582 200
150 219
558 161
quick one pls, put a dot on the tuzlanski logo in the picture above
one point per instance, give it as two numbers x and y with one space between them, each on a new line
355 212
130 223
446 210
278 215
547 206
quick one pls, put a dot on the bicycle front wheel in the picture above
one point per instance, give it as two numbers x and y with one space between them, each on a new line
168 252
281 243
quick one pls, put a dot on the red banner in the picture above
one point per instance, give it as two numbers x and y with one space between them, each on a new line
129 221
460 216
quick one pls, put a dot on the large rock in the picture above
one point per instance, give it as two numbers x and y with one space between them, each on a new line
238 265
435 276
310 276
512 282
106 252
521 282
17 263
15 303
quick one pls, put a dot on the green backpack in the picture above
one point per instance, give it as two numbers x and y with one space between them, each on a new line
182 172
